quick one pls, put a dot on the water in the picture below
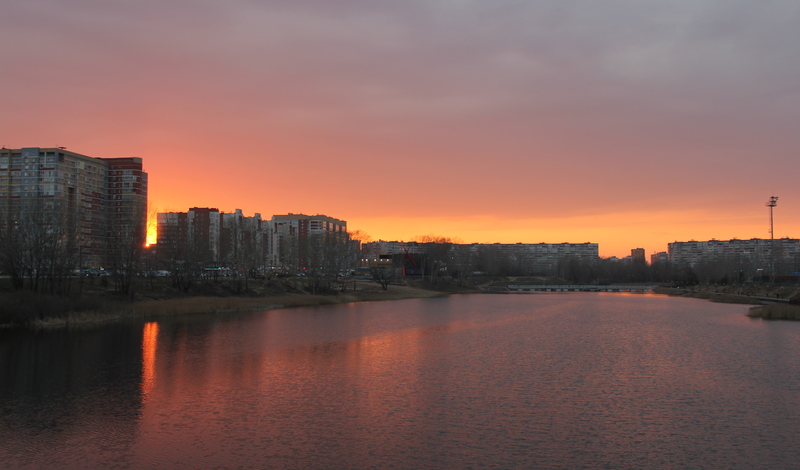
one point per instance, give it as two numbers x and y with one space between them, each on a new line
480 381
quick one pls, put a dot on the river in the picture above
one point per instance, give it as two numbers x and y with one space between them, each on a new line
555 381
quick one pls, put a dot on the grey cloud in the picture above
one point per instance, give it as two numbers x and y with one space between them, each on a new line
614 81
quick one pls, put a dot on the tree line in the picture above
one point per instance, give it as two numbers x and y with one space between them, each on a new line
46 243
440 258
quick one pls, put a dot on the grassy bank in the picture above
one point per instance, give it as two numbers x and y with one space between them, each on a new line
759 295
708 294
747 294
93 300
35 310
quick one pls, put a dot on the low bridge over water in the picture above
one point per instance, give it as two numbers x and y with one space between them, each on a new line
579 288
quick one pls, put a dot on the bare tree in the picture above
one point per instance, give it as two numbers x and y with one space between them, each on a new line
384 275
360 236
290 254
326 256
242 248
437 254
357 239
463 262
127 235
181 252
40 246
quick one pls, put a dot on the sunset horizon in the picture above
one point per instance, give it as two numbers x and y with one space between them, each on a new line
584 216
541 122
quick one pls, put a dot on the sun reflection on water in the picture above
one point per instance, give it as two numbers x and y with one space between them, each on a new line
149 346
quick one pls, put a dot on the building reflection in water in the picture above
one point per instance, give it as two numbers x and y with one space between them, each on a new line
70 397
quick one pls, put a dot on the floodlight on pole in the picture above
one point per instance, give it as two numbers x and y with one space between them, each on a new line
773 201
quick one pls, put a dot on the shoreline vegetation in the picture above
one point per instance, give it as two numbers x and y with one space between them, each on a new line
96 303
775 312
769 302
26 309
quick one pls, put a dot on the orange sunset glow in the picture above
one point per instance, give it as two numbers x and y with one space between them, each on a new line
505 122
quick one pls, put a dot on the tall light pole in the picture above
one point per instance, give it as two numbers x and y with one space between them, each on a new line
773 201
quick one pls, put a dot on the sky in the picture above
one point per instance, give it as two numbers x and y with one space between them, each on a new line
627 123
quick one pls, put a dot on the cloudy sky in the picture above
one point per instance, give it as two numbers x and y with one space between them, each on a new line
629 123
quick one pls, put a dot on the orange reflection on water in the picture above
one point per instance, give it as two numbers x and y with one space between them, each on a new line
149 345
273 386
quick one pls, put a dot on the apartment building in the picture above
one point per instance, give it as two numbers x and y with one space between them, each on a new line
210 237
97 197
244 237
525 257
287 234
537 258
193 234
660 257
377 250
762 252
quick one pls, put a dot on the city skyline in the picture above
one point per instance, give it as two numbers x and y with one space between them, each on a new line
626 125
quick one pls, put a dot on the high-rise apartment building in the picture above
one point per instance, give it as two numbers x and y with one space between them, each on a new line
97 197
287 234
762 252
194 234
526 258
660 257
211 237
244 238
127 193
638 255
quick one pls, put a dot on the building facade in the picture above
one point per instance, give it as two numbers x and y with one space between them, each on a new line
207 237
288 234
193 235
96 198
537 258
526 258
244 240
660 257
756 253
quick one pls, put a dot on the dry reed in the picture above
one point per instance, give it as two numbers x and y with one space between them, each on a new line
775 312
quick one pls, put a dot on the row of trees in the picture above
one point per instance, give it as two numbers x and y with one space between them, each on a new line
190 255
44 241
43 244
326 257
244 253
39 246
711 270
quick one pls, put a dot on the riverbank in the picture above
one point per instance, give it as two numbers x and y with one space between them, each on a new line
96 308
97 304
737 294
712 295
771 302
